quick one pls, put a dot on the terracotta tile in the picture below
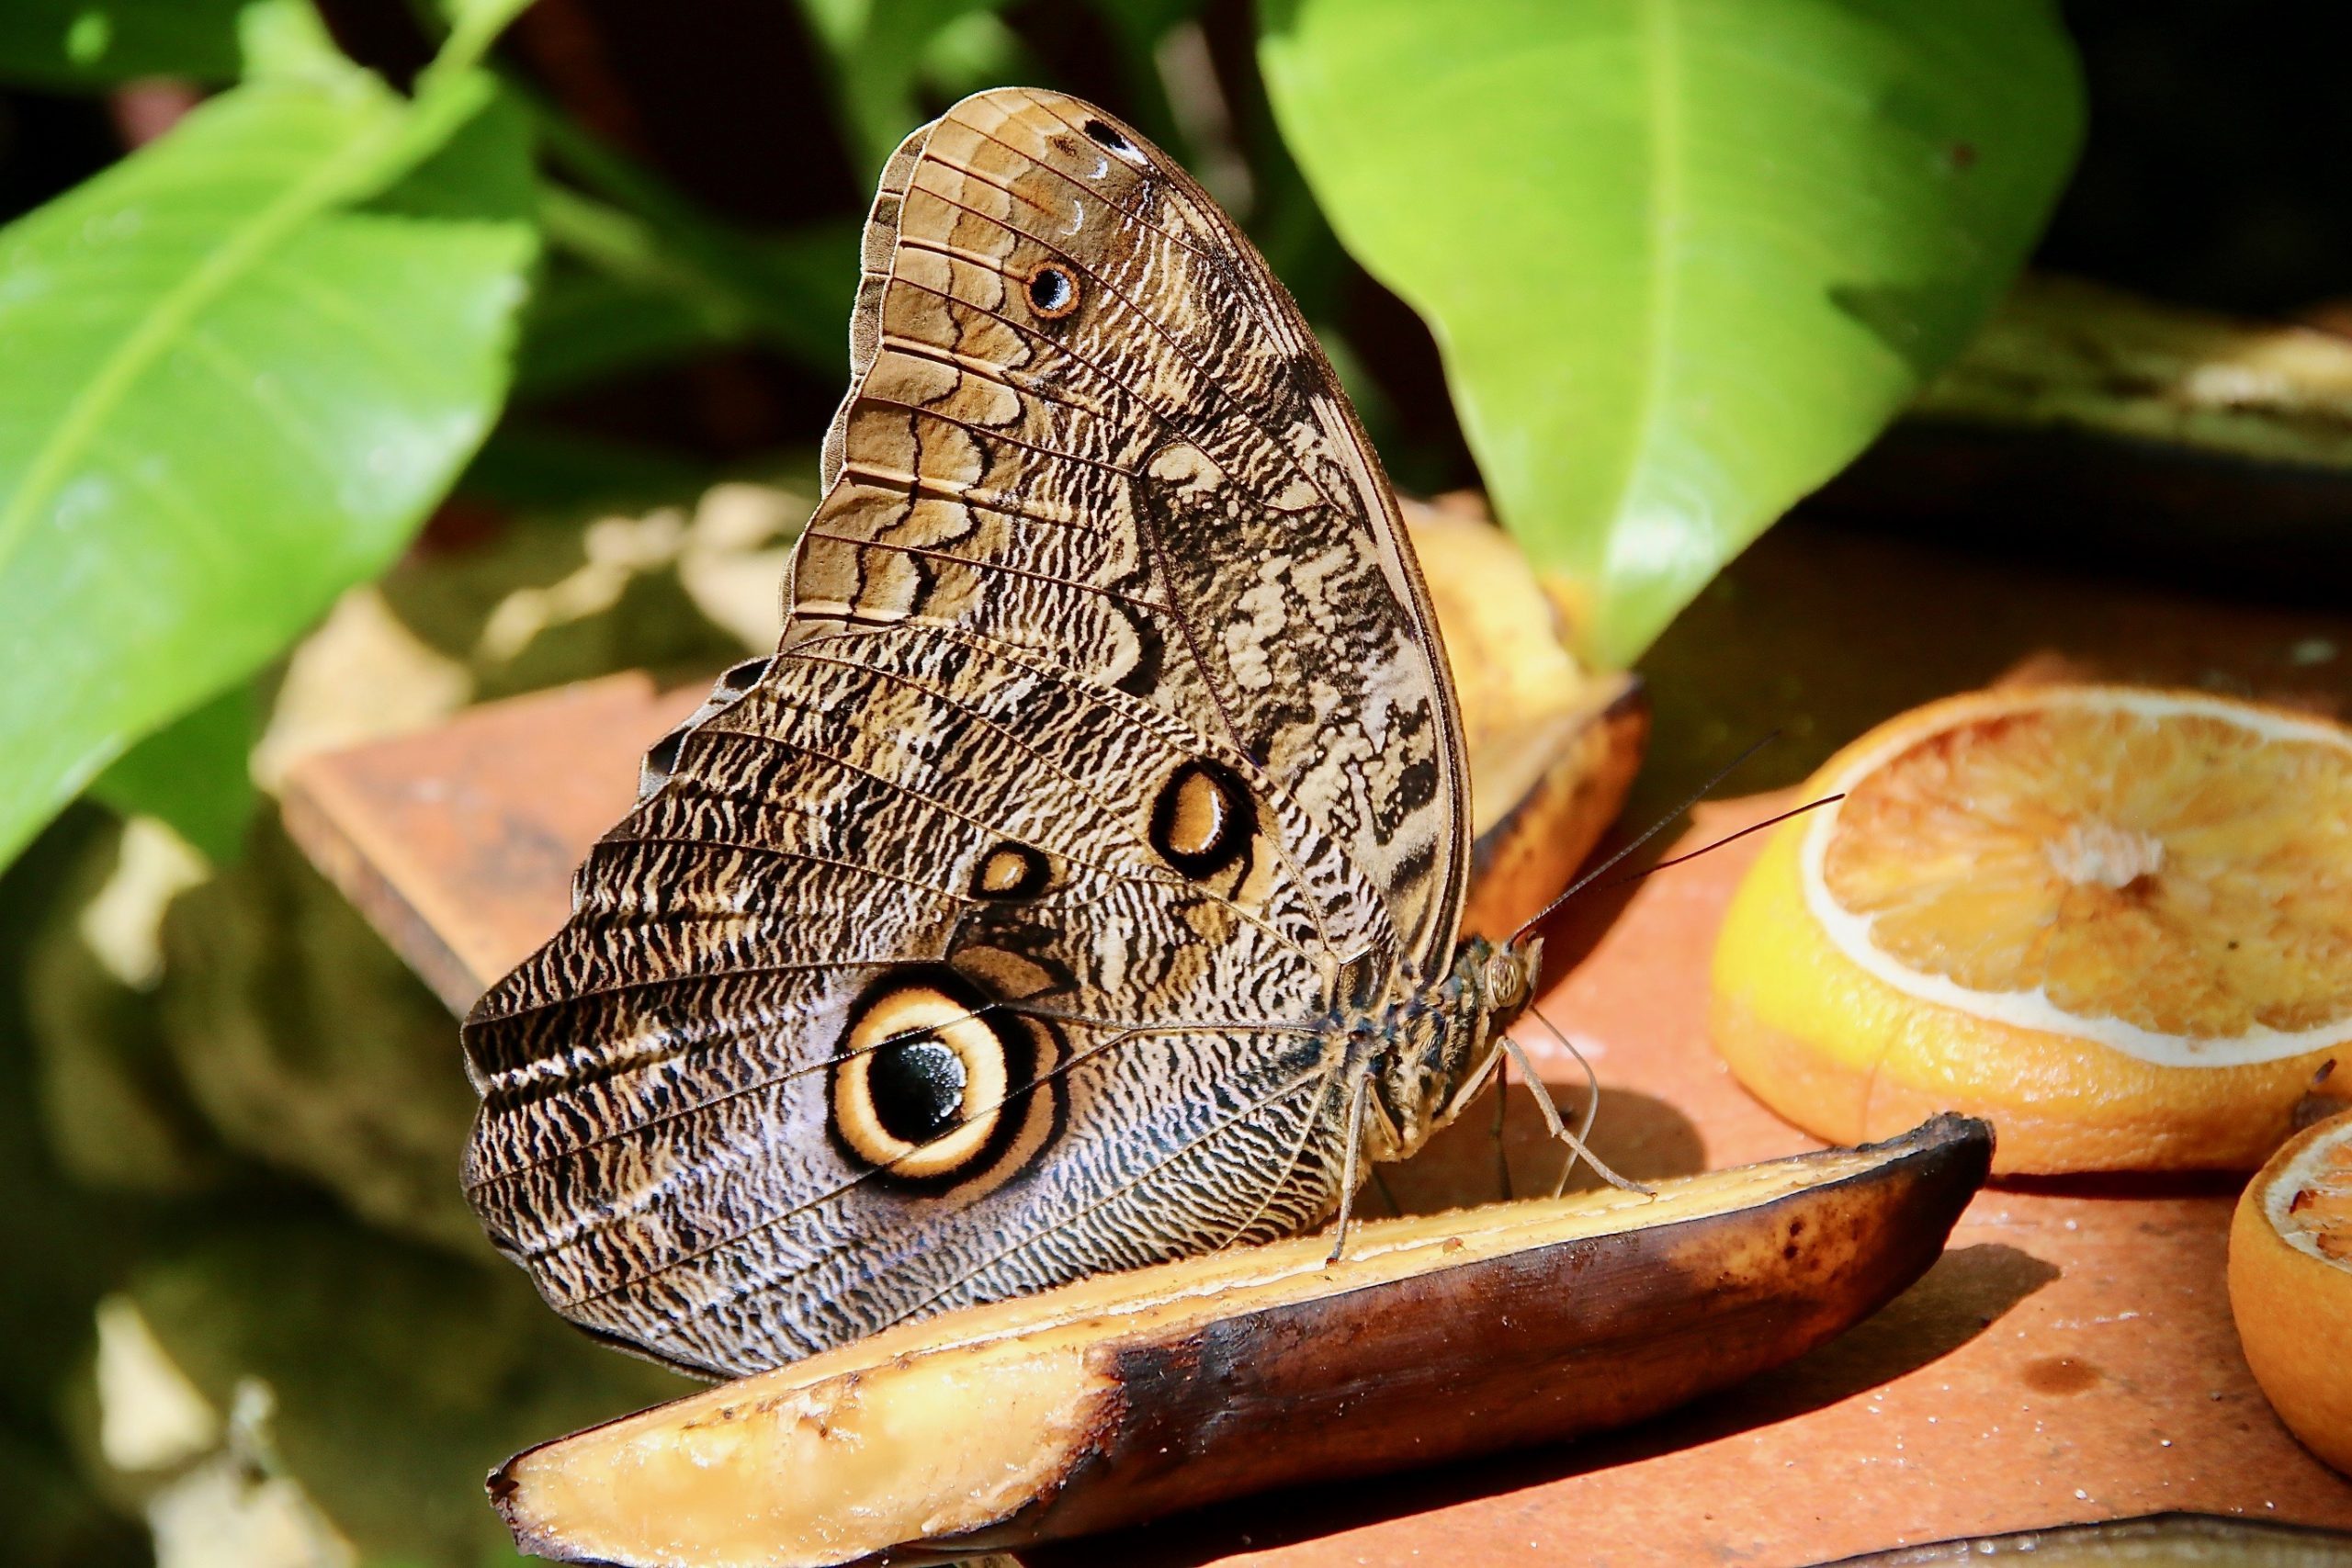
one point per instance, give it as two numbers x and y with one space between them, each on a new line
459 843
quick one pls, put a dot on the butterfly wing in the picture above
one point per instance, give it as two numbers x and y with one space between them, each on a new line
1176 399
990 933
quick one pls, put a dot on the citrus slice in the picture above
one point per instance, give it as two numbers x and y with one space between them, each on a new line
2115 921
2291 1285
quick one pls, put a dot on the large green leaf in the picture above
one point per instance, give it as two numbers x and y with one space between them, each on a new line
242 365
1684 257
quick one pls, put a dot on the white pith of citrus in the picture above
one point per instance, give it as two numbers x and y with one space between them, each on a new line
2111 843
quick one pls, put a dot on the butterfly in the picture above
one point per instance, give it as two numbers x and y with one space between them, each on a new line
1077 886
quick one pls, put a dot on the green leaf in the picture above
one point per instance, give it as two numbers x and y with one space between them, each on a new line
96 43
234 390
669 279
196 773
1683 258
474 25
287 40
88 44
881 50
478 167
788 291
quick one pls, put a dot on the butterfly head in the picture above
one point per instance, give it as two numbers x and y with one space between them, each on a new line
1439 1044
1506 980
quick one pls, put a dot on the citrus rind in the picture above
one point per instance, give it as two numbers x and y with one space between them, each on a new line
1850 932
2305 1169
2291 1300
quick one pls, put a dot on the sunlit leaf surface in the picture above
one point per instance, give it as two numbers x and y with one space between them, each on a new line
1684 258
236 383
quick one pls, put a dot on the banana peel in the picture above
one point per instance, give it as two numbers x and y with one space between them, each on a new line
1553 746
1121 1398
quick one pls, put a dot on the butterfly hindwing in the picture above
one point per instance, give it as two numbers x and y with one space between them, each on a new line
990 936
662 1139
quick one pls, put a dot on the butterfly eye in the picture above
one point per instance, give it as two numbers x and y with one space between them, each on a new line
1053 291
1503 981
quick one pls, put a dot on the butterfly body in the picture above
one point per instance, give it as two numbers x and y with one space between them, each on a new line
1084 868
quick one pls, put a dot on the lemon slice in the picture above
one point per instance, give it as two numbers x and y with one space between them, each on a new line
2118 921
2291 1286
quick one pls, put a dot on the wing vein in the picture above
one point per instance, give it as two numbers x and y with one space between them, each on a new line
1108 810
983 563
1254 1109
669 1265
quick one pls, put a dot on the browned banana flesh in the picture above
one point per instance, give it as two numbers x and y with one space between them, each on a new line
1128 1396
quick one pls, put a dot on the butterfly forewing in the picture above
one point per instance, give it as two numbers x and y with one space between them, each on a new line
994 935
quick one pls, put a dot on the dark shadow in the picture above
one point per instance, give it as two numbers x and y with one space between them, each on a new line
1960 1296
2056 502
1638 1137
2151 1537
2129 1185
1965 1292
1915 321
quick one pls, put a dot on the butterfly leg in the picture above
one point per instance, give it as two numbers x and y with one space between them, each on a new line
1348 1172
1559 1129
1502 1150
1473 1087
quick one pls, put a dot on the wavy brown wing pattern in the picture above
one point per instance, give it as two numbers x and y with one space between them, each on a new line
992 934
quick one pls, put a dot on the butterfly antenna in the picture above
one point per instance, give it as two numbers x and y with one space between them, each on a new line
1772 821
1652 832
1578 1149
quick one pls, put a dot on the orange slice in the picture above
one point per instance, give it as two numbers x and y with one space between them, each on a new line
2115 921
2291 1286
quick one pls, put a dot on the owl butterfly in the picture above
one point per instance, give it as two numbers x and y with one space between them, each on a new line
1078 885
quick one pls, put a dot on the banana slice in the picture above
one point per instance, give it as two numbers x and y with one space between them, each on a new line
1124 1397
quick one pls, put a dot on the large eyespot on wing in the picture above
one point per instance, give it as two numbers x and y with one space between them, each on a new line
675 1139
924 1081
